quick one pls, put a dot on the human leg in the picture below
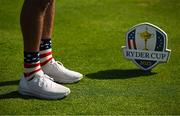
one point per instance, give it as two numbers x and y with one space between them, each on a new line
51 67
34 82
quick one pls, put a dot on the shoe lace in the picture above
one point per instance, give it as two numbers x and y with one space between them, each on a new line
60 63
48 77
43 81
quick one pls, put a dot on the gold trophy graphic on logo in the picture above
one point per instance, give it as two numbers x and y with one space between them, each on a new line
145 36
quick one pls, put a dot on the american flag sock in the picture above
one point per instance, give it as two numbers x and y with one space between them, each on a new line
31 64
45 51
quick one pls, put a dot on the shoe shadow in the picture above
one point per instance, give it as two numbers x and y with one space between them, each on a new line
15 94
11 94
119 74
6 83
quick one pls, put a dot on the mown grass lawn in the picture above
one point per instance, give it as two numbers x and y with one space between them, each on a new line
88 36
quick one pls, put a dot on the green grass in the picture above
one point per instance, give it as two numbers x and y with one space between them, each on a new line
87 37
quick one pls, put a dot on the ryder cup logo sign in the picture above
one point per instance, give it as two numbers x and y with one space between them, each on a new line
146 46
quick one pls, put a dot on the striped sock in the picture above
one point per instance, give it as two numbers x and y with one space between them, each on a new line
31 64
45 51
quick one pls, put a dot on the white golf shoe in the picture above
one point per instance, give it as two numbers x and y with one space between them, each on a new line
42 86
60 74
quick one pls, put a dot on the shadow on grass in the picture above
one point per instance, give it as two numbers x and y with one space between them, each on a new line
13 94
6 83
119 74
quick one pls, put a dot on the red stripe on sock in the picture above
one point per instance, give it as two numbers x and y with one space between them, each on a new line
45 62
45 54
29 74
26 65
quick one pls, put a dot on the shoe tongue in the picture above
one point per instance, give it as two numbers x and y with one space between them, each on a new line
40 73
53 61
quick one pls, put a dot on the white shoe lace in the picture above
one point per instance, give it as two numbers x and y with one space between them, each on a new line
57 63
43 81
60 63
48 77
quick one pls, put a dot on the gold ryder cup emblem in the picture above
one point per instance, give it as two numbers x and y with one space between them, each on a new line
146 46
145 36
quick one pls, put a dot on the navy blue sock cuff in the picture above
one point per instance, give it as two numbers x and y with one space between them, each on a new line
45 44
31 57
